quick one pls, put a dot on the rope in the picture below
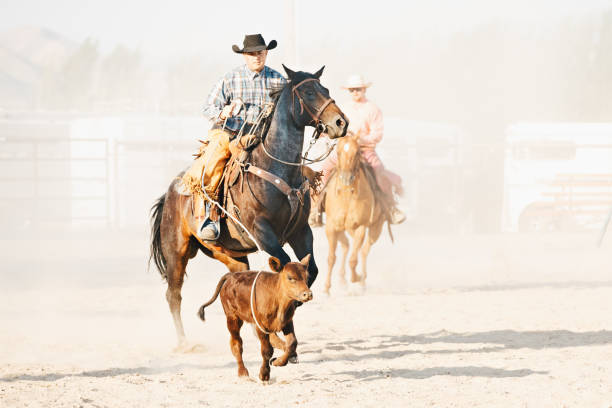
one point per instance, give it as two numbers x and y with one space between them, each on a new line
304 159
216 203
265 112
252 304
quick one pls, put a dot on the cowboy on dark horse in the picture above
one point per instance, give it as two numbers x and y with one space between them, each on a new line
248 190
234 104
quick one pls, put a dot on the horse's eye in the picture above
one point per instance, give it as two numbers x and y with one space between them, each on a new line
291 279
309 93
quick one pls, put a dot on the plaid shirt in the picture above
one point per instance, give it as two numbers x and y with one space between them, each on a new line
252 87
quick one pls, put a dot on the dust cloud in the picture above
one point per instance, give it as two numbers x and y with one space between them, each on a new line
497 284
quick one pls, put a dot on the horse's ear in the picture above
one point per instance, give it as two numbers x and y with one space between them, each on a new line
305 260
319 72
289 72
275 264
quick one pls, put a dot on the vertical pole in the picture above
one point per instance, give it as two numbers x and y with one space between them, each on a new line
37 182
605 228
290 43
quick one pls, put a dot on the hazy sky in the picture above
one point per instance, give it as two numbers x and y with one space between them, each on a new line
170 28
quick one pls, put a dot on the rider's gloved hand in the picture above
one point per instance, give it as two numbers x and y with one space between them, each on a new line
231 109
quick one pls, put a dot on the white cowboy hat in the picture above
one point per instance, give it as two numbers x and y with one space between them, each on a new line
356 81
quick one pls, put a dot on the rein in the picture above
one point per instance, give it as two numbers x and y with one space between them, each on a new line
252 304
295 196
305 159
318 125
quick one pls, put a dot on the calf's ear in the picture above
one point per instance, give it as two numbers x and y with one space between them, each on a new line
305 260
275 264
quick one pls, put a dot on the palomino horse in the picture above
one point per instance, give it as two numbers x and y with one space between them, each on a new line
271 197
351 206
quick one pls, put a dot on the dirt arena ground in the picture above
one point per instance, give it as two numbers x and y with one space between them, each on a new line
446 321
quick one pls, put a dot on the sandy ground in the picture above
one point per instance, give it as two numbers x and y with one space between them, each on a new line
446 321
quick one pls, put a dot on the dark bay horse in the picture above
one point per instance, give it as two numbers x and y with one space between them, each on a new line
266 210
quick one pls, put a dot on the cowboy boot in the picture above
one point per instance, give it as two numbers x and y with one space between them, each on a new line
316 212
315 219
207 230
394 214
397 216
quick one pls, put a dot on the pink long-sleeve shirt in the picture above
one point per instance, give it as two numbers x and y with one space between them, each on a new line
366 120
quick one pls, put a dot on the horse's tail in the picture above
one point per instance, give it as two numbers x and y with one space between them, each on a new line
390 232
219 286
156 245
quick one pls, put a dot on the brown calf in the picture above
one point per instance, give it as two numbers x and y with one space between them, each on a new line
271 301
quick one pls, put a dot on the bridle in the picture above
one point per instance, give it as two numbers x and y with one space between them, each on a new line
319 126
314 116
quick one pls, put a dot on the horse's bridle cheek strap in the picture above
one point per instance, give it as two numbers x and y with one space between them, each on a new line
303 106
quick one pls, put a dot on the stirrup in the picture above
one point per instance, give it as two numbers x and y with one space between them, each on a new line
316 219
208 231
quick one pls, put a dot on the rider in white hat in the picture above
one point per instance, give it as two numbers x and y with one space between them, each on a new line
366 121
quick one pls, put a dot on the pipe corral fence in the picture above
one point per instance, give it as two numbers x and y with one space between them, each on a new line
107 171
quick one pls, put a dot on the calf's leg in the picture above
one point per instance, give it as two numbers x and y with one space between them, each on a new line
233 325
291 348
266 353
277 342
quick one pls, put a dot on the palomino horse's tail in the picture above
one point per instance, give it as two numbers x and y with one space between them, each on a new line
390 232
156 245
219 286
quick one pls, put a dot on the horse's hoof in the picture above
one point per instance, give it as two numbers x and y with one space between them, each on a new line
186 347
277 363
294 359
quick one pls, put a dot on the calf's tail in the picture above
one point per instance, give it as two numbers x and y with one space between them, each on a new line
219 286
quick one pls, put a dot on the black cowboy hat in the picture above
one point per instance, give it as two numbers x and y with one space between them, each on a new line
252 43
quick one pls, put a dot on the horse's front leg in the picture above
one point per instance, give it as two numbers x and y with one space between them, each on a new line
358 235
268 241
301 243
332 240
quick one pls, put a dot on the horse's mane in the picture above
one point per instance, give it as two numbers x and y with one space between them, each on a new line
275 94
